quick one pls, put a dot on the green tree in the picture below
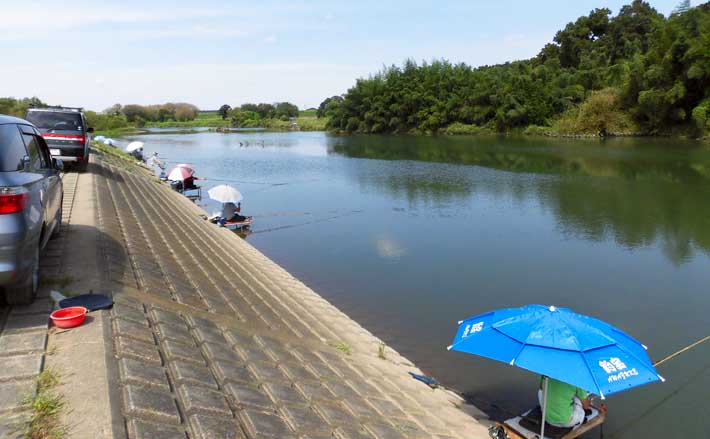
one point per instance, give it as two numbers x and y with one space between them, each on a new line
285 110
224 111
328 105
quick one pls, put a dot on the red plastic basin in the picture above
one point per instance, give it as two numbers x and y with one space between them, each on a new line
69 317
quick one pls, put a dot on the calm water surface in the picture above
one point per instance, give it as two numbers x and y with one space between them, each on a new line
408 235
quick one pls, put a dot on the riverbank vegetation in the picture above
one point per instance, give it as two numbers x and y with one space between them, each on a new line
280 116
142 115
634 73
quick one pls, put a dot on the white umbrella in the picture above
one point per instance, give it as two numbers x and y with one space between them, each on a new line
110 142
225 194
100 138
134 146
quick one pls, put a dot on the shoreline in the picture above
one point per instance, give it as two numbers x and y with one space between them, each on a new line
488 134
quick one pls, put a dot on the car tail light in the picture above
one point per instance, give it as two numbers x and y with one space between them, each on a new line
12 200
73 137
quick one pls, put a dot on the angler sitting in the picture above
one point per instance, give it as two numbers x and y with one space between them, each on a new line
566 404
230 213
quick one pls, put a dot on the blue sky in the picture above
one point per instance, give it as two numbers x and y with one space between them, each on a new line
94 54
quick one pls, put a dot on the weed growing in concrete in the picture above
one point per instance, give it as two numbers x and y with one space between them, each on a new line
341 346
45 407
381 351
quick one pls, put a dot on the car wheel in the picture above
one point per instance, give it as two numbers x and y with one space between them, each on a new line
24 292
58 221
82 165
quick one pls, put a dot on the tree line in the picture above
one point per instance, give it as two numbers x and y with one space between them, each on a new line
18 107
636 72
252 115
116 116
139 115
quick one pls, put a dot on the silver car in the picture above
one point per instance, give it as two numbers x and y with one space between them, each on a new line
30 206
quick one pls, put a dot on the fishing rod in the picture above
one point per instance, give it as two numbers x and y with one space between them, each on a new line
680 351
259 182
241 181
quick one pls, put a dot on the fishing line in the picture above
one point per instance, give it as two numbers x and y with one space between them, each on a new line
321 220
272 215
661 402
672 394
280 214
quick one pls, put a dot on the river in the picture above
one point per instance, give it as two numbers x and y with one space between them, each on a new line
408 235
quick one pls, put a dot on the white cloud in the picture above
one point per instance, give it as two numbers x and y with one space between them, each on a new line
271 39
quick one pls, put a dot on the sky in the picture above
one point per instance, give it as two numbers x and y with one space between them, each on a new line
94 54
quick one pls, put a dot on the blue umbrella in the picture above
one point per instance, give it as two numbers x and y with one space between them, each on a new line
560 344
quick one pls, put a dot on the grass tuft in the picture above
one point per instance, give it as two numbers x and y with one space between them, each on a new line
45 407
381 351
341 346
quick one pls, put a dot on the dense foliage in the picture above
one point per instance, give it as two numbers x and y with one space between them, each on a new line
18 107
224 111
328 105
102 122
141 114
253 115
638 71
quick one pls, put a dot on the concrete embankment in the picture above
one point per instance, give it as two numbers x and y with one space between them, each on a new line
211 339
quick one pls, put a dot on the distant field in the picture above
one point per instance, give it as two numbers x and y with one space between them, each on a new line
307 113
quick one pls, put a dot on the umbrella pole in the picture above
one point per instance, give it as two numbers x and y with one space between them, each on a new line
544 408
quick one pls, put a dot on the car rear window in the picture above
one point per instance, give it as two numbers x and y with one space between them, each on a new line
47 120
12 149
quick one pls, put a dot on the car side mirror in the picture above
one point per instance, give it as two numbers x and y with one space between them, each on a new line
90 130
58 164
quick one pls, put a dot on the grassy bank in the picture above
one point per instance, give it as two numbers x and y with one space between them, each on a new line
211 119
118 132
304 123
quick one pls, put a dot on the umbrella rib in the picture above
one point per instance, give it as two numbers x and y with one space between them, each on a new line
463 339
512 362
589 368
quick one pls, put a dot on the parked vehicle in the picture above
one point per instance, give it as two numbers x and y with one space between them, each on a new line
30 206
66 133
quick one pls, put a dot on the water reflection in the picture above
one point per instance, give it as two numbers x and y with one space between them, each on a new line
635 193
